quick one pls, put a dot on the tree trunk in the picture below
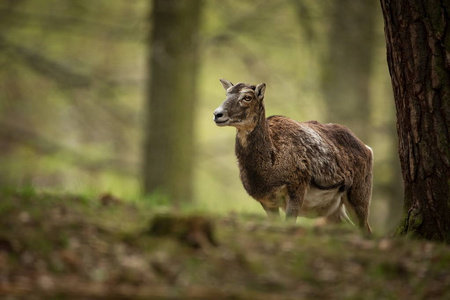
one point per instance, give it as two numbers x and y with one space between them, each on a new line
418 53
14 107
172 93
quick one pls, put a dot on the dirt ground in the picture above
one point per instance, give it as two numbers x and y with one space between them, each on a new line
70 247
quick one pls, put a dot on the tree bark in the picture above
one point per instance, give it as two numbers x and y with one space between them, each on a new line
172 93
418 54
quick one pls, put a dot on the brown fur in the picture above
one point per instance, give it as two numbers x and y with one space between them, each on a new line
297 165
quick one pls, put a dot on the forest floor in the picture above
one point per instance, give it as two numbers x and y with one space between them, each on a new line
70 247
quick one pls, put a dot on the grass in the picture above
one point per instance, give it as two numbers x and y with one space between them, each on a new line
75 247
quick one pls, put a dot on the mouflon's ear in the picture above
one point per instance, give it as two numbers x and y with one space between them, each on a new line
226 84
259 91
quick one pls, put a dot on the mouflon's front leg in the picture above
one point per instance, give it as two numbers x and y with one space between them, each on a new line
295 201
272 212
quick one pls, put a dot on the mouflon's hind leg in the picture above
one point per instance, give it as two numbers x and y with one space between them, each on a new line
359 197
339 216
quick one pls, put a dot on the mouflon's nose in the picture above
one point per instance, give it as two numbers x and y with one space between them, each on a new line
218 113
221 117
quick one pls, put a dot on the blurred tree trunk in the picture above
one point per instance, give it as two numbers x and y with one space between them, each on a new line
418 55
11 111
347 64
172 95
6 143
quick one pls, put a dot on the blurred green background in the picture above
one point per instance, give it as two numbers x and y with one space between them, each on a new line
78 86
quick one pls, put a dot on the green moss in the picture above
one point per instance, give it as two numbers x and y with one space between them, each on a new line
402 228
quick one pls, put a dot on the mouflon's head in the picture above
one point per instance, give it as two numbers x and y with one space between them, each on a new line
242 107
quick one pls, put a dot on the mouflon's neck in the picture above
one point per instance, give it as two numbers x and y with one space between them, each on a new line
256 141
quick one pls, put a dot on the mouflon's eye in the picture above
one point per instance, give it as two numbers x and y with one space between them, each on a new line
247 98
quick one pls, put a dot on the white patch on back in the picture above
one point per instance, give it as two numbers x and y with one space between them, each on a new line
320 149
315 138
